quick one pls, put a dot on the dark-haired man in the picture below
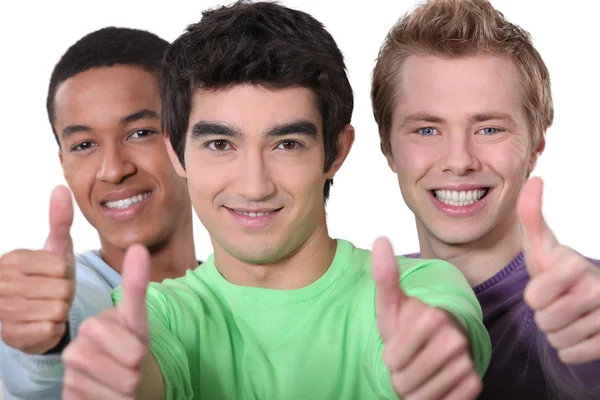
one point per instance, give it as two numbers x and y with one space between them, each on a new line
104 108
257 106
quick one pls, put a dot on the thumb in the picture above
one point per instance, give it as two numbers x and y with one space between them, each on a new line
538 237
136 273
61 218
389 295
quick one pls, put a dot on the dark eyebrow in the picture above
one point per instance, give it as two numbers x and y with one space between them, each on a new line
301 127
136 116
203 128
141 114
71 129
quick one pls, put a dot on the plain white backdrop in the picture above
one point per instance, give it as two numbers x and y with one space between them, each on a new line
365 200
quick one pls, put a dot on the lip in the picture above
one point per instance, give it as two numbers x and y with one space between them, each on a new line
462 187
123 194
460 211
253 223
124 214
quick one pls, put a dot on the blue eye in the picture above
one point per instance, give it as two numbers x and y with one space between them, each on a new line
428 131
488 131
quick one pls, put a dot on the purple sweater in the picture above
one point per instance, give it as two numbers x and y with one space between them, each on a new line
524 366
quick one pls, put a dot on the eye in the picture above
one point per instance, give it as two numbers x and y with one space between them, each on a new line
83 146
489 131
289 145
219 145
141 133
427 131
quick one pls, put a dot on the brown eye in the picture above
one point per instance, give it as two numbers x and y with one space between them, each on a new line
289 144
219 145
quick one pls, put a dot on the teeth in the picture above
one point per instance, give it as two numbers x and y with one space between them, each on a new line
124 203
253 214
459 198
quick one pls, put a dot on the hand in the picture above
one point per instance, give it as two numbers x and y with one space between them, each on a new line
564 290
105 359
426 350
37 287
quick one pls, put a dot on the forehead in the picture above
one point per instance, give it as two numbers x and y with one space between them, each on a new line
457 86
252 109
104 95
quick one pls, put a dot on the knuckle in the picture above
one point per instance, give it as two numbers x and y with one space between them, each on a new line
473 385
434 317
130 382
60 311
89 326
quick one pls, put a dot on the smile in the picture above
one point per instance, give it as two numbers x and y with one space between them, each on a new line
460 198
255 214
128 202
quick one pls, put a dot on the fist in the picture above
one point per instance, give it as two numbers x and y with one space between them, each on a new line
37 287
426 350
105 360
564 290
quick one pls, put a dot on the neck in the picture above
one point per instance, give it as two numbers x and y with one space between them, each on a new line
301 267
169 258
481 259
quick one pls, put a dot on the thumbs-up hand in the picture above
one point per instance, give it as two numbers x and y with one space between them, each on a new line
426 350
37 287
105 360
564 290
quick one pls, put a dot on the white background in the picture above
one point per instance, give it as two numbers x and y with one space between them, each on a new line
365 200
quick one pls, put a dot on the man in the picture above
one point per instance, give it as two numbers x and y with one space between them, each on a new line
463 101
104 108
257 108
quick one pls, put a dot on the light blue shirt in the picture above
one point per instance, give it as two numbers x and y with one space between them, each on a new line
40 377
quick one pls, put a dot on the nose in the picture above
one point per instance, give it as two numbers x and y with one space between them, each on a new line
116 166
458 155
254 179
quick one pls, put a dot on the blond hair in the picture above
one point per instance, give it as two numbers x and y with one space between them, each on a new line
455 28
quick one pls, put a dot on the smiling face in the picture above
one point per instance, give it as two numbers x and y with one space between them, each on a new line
114 157
461 145
254 162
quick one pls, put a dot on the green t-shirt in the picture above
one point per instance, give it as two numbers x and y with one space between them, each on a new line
215 340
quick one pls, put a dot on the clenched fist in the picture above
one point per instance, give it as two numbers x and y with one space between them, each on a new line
37 286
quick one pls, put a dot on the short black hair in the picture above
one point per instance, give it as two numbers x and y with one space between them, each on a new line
105 48
262 43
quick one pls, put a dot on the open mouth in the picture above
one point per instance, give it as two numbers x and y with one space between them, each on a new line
255 214
460 198
128 202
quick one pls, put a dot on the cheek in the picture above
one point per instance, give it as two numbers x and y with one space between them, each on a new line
80 177
413 161
510 159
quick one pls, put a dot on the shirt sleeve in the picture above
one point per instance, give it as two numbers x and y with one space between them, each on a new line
27 376
166 347
438 284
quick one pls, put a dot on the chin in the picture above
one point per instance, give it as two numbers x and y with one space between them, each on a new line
457 235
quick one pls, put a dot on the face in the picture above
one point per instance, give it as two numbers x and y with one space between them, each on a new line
254 162
460 144
114 157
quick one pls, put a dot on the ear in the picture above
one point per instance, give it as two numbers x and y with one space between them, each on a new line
389 156
536 153
344 144
173 156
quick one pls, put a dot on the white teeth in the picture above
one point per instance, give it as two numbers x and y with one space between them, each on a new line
253 214
124 203
459 198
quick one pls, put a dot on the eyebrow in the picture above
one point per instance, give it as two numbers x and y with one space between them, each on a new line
128 119
427 117
300 127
